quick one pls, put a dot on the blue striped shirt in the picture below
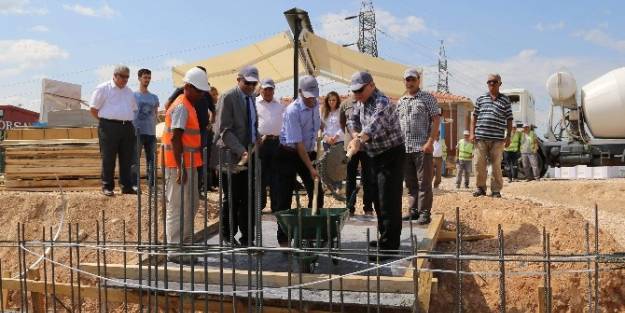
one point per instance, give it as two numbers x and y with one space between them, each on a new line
491 117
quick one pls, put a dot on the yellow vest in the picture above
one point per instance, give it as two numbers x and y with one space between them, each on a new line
465 150
515 142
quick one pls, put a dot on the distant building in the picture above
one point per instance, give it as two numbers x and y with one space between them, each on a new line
12 116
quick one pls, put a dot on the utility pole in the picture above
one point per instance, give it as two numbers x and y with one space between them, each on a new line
443 73
367 34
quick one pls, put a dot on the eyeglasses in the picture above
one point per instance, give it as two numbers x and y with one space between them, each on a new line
122 76
492 82
251 83
411 79
360 90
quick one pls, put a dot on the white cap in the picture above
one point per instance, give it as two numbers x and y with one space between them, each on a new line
197 78
412 72
526 125
466 133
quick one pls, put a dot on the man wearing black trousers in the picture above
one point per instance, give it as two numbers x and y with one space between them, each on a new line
238 125
113 104
376 127
298 141
360 158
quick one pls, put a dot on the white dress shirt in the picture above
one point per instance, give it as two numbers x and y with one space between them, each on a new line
114 103
269 116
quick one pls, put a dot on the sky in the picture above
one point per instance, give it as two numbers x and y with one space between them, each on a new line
524 41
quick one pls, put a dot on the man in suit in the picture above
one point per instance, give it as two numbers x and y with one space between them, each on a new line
238 126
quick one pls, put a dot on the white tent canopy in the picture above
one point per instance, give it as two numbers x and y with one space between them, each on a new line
274 58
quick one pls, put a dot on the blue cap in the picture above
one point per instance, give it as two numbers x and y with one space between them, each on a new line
309 86
360 79
249 73
267 83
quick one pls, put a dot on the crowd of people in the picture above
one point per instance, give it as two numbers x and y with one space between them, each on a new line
390 145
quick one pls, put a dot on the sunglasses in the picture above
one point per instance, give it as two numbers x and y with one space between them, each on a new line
250 83
411 79
492 82
122 76
360 90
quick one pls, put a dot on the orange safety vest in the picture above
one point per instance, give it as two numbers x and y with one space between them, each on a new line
191 138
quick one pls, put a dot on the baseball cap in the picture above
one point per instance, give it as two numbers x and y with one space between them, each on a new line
309 86
526 125
359 79
249 73
412 72
466 133
267 83
197 78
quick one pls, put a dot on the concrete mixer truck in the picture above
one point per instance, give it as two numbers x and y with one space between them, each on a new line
590 127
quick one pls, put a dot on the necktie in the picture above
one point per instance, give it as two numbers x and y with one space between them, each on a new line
250 124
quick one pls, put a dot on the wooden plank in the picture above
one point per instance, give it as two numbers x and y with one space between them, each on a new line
46 162
37 298
388 284
540 299
80 133
446 235
47 154
16 184
5 292
13 134
56 133
39 142
32 134
425 278
118 295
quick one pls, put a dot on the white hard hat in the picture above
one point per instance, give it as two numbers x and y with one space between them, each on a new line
197 78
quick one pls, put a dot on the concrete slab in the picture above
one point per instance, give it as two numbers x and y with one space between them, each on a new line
353 245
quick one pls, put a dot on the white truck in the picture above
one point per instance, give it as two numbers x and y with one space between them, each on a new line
591 127
523 111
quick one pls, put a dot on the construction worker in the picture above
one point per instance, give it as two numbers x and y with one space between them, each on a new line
464 158
298 148
529 148
375 125
439 155
511 155
182 138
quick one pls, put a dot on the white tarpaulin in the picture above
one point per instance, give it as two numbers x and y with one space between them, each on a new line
274 58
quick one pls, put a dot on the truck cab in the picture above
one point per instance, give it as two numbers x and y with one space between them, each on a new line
523 112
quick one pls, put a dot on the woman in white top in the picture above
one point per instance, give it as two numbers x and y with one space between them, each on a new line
331 121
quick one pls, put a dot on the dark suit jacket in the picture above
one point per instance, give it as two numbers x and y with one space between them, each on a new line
232 121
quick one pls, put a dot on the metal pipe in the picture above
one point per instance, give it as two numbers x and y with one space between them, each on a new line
502 271
458 262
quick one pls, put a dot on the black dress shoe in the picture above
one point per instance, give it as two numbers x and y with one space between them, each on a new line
108 193
496 194
412 216
479 192
424 219
129 192
373 243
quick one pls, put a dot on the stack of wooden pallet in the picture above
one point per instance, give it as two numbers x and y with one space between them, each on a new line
52 163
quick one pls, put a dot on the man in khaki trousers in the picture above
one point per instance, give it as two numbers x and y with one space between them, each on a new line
491 126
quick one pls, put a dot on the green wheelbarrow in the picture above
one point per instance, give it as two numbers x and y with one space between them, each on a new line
313 233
